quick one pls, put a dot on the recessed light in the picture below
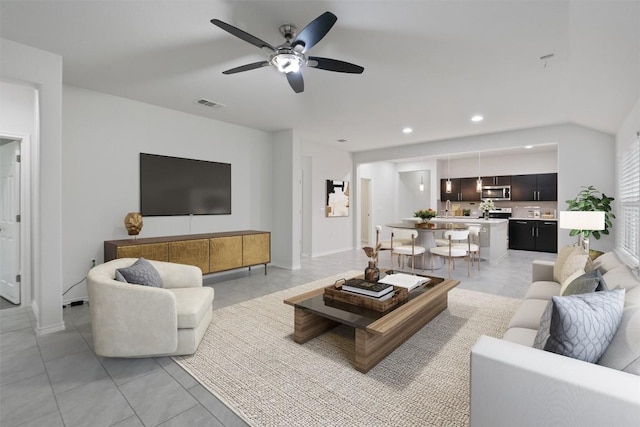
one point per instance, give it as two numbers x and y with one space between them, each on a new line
477 118
528 147
407 130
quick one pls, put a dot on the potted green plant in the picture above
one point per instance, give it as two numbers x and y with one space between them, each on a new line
425 214
590 199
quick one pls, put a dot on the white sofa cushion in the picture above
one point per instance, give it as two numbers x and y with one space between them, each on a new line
529 314
607 261
620 277
623 352
543 290
192 304
522 336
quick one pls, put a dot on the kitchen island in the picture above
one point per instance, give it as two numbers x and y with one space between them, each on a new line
493 235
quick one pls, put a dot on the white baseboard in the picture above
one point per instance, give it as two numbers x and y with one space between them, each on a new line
50 329
335 251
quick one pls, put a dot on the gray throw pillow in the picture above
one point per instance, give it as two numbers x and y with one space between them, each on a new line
588 282
583 325
543 331
141 272
119 277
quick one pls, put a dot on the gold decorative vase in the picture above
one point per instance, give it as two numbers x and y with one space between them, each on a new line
133 223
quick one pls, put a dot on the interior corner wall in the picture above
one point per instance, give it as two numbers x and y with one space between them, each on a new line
330 234
43 70
286 239
585 157
103 136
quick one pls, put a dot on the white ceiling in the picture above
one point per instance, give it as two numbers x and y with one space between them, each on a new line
430 65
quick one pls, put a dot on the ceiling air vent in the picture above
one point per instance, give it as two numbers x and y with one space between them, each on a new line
208 103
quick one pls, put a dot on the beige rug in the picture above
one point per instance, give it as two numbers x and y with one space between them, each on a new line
248 359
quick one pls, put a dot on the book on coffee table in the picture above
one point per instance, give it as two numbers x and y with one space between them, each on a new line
362 287
404 280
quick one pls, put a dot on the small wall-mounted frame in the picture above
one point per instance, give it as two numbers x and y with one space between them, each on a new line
337 203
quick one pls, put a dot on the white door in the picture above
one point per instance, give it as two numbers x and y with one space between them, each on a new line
9 225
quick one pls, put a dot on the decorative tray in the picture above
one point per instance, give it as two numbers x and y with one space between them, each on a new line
335 293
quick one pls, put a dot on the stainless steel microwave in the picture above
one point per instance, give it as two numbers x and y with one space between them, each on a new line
496 192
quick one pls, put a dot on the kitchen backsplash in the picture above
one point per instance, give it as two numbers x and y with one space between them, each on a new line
519 209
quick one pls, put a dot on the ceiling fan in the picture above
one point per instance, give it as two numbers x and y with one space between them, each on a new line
290 57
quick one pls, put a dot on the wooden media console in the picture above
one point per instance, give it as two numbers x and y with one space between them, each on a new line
212 252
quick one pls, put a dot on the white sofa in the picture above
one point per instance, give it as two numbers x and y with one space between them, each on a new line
130 320
515 384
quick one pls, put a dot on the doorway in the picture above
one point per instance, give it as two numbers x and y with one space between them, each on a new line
10 230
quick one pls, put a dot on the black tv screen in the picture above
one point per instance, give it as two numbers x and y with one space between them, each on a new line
177 186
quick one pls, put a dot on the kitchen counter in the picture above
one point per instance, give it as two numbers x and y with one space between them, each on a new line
533 219
493 235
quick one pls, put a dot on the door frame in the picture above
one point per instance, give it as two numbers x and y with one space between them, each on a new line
25 228
366 207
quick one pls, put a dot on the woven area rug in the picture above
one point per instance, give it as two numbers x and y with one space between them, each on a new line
249 360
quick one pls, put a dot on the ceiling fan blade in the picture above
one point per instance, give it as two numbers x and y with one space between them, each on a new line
242 35
247 67
296 81
334 65
314 32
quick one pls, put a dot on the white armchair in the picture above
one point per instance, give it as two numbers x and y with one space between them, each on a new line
131 320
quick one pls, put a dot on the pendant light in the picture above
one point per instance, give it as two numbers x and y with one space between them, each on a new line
421 183
448 184
479 181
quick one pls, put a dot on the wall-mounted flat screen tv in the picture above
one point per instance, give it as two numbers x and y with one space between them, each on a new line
177 186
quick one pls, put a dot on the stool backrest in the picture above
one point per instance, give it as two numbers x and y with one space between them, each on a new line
457 234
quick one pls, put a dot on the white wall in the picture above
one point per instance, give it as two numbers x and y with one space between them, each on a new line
286 183
19 118
527 162
585 157
103 136
335 234
43 70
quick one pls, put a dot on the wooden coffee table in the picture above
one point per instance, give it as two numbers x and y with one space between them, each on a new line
376 334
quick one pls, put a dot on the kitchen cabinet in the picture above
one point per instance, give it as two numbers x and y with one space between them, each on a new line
462 189
535 187
469 190
454 196
541 236
496 180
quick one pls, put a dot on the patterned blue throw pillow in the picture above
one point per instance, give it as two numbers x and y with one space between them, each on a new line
140 272
583 325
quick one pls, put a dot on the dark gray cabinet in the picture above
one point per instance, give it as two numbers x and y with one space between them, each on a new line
468 188
541 236
534 187
462 189
496 180
455 194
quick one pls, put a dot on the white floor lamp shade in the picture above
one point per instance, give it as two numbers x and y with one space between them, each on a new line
583 221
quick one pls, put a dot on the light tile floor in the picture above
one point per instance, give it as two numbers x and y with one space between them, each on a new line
57 380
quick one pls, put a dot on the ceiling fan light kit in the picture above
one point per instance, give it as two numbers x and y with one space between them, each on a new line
289 58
